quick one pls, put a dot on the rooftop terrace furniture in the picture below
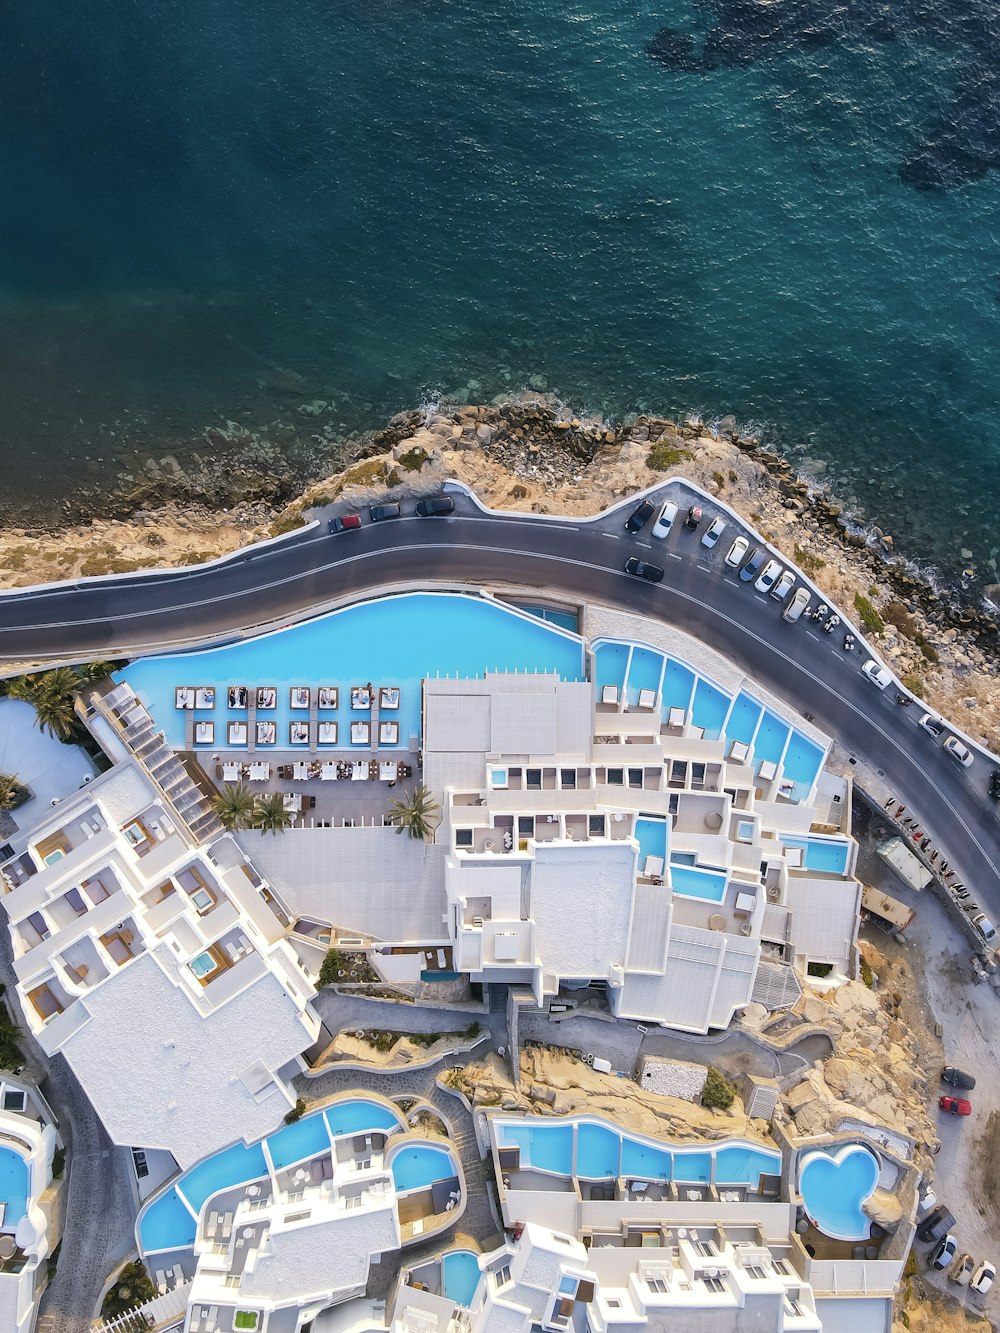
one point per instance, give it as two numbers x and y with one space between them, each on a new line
328 773
647 698
653 865
388 733
609 694
388 697
300 771
361 733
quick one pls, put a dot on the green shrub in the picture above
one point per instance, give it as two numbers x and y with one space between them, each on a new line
718 1093
808 561
914 683
663 456
133 1287
414 459
296 1113
871 621
331 965
58 1163
867 976
719 480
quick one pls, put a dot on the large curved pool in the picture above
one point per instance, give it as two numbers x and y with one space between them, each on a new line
833 1188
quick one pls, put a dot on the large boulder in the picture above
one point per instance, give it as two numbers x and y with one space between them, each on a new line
883 1208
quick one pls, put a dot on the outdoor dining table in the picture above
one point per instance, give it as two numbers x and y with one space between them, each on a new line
328 773
300 771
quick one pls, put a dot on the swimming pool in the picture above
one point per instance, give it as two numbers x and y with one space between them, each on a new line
651 835
709 709
743 718
395 641
460 1276
644 672
769 742
603 1152
13 1185
802 761
697 882
610 665
678 683
833 1188
168 1222
825 854
203 965
417 1167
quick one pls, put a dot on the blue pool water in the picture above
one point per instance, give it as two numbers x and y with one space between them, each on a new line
651 834
549 1147
802 760
743 719
13 1185
414 1168
167 1224
678 682
825 854
235 1165
709 709
610 664
393 641
597 1150
695 882
644 672
460 1276
305 1138
769 743
203 965
833 1188
355 1116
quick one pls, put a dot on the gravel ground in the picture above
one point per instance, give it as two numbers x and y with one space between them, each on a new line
932 971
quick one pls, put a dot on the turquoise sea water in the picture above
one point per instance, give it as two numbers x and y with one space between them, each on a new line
220 212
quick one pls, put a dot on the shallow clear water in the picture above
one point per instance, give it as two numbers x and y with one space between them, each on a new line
416 1168
13 1185
833 1189
218 212
460 1273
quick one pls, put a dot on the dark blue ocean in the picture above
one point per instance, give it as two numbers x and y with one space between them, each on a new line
782 210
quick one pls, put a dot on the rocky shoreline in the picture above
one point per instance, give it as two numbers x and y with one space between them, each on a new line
529 453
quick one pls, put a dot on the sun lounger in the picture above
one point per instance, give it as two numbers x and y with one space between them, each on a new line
359 771
647 698
388 733
653 865
327 733
227 1226
231 772
388 697
161 1282
178 1275
387 771
361 733
609 694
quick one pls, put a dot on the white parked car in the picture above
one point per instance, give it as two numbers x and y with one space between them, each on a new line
932 724
737 551
665 521
984 1277
714 531
797 605
959 752
768 575
879 676
784 586
943 1252
928 1200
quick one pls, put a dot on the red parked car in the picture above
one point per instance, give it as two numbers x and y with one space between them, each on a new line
955 1105
346 523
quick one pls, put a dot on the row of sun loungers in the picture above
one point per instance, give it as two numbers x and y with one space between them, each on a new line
326 770
299 733
265 697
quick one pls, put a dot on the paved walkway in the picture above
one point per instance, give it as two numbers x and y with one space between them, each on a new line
342 1012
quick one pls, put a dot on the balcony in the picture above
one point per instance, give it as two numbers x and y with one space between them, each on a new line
123 943
83 964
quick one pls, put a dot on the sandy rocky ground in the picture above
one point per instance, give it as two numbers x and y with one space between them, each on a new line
528 455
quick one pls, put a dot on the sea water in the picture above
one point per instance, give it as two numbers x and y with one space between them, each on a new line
786 213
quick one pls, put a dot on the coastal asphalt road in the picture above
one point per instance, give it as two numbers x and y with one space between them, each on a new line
582 558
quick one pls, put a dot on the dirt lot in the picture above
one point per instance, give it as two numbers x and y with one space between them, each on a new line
932 973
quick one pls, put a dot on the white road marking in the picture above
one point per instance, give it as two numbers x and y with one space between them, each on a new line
673 556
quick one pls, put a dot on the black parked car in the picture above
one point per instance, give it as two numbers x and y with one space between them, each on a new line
995 784
639 516
958 1078
642 569
936 1224
379 512
436 507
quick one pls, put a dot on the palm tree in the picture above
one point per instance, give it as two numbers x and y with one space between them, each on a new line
91 672
10 1035
270 815
23 687
10 791
53 700
418 813
235 806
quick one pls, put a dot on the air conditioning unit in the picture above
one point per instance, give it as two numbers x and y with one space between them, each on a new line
351 943
477 921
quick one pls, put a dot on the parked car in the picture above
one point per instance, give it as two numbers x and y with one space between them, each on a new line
943 1252
753 566
797 605
379 513
714 531
639 516
955 1105
958 1078
985 927
879 676
932 724
995 784
768 576
345 523
694 517
961 1269
642 569
984 1277
783 586
435 507
959 752
936 1224
737 551
665 520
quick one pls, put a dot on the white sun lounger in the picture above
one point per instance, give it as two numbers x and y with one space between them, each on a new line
647 698
653 865
609 694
